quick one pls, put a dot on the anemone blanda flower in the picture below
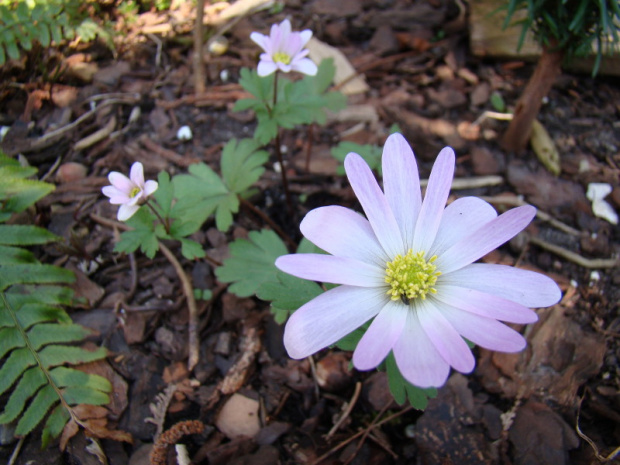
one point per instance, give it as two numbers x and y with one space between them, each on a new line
129 192
284 50
410 267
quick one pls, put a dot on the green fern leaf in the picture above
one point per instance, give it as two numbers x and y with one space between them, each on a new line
13 255
29 274
83 395
51 333
34 313
28 385
36 411
52 356
10 338
17 234
17 362
65 377
54 425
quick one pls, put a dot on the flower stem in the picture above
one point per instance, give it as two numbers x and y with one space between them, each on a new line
165 222
287 193
188 290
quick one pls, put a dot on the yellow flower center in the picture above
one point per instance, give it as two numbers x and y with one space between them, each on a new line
411 276
133 192
281 57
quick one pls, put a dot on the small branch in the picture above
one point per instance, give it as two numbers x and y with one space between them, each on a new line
597 453
199 66
188 290
574 257
347 412
546 217
269 221
360 433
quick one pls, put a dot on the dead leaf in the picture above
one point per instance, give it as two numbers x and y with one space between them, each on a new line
344 69
544 148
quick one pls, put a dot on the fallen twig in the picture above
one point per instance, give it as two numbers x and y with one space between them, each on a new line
574 257
347 412
597 454
518 201
360 433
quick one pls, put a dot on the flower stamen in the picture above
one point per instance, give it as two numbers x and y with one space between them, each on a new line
281 57
411 276
133 192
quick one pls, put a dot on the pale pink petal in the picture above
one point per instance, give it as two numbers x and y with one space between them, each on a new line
417 358
260 40
121 182
305 36
375 205
485 332
485 239
305 66
285 28
126 211
136 174
330 269
150 187
381 336
435 199
116 197
135 200
446 339
401 183
265 68
483 304
329 317
284 67
460 218
525 287
344 233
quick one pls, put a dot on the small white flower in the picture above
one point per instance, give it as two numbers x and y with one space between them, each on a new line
284 50
129 192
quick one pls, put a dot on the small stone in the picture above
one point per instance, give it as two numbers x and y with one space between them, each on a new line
332 372
239 417
71 172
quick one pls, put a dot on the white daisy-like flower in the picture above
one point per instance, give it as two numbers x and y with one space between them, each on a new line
409 268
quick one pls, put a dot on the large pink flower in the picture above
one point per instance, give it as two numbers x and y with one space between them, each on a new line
129 192
410 267
284 50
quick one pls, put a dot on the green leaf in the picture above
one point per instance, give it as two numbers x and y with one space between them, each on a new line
54 425
36 411
14 255
53 333
251 262
370 153
33 273
191 249
143 235
10 338
497 102
59 355
242 164
164 194
30 382
15 234
401 388
350 341
201 193
287 293
15 364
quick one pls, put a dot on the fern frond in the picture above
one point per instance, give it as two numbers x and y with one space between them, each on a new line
44 21
36 357
36 365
